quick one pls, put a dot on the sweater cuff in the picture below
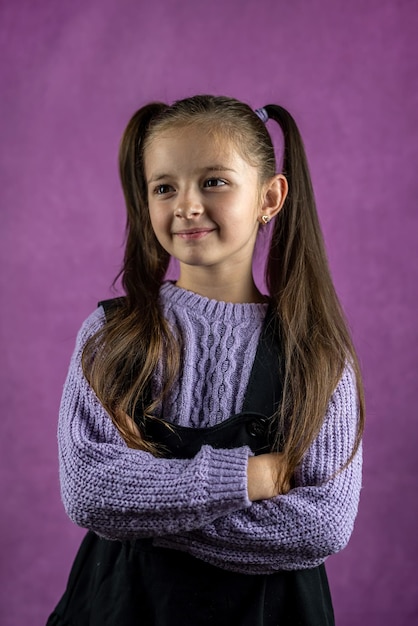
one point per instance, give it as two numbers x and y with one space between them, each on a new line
227 476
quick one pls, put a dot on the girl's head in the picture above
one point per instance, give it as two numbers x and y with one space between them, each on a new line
230 129
206 202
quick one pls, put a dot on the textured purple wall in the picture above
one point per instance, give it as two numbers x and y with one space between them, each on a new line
72 74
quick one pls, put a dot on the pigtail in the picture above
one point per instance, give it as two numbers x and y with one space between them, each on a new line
297 223
120 360
316 342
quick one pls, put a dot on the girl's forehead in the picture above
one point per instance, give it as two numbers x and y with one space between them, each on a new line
194 141
212 132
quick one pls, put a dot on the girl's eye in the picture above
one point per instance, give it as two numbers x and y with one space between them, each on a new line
214 182
162 189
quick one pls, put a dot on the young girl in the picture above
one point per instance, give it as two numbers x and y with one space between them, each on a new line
209 435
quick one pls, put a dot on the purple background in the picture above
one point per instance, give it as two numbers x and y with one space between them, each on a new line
72 74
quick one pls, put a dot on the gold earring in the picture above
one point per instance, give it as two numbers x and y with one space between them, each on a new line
265 219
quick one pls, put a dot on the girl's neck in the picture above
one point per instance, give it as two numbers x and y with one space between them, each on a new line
224 291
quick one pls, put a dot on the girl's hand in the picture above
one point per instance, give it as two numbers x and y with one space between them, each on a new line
264 474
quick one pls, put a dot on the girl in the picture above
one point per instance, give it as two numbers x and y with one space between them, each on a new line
209 435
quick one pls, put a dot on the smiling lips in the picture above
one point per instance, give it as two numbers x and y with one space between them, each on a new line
194 233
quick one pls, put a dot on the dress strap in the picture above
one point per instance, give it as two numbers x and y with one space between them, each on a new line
110 305
265 385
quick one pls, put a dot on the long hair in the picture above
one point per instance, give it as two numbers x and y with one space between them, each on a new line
120 360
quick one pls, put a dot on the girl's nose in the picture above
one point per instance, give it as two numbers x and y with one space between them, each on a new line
188 206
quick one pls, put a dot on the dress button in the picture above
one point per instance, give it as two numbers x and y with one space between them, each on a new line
256 427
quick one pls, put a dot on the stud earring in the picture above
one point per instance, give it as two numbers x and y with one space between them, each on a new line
265 219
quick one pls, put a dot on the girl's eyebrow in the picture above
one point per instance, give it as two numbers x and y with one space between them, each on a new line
218 168
157 177
210 168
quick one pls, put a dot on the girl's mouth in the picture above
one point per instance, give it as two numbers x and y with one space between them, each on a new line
194 233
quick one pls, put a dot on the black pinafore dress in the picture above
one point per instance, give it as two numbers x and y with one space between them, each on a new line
134 583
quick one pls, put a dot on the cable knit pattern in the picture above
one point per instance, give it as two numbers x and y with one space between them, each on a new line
201 505
220 341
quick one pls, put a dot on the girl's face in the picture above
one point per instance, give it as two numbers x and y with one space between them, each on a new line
204 201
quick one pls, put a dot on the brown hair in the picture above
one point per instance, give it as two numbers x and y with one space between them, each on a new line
120 359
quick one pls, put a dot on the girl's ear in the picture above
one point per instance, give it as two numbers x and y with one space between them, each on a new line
273 197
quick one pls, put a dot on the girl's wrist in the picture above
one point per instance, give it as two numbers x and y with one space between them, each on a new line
266 477
262 473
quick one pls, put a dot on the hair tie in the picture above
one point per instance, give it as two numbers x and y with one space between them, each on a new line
262 114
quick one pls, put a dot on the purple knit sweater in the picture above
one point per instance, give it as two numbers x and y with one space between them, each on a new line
201 505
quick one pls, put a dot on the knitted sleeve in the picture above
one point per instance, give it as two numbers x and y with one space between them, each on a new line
300 529
121 493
